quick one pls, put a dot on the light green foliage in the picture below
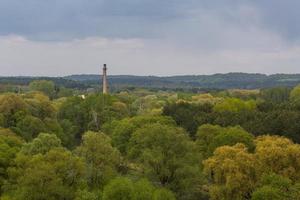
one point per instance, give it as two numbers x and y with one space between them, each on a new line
121 131
125 189
143 190
276 187
47 87
42 144
119 189
295 96
163 194
167 156
149 104
210 137
101 158
10 144
86 195
268 193
234 105
57 175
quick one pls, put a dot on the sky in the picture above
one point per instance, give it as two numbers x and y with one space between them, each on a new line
149 37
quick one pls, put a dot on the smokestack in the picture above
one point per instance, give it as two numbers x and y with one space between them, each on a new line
104 79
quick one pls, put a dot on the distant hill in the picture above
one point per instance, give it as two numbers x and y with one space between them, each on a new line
216 81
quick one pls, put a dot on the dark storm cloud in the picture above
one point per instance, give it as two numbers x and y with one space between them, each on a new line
67 19
81 18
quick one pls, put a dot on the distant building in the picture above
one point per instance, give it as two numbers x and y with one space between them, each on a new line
104 80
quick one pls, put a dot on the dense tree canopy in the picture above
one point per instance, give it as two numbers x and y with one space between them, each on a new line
71 144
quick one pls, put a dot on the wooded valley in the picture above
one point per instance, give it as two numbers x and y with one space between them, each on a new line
60 143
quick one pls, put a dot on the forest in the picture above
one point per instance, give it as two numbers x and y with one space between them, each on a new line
64 143
192 83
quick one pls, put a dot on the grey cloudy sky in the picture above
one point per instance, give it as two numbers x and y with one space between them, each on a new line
149 37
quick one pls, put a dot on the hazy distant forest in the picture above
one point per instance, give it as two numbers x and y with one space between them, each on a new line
181 138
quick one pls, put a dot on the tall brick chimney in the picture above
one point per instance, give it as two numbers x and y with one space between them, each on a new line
104 79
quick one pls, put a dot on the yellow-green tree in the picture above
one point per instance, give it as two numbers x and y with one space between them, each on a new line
271 170
232 172
278 155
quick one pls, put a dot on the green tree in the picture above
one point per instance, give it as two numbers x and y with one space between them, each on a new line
234 105
86 195
118 189
41 144
210 137
232 172
29 127
47 87
39 105
56 175
143 190
276 95
163 194
278 155
188 115
10 106
73 114
295 96
273 186
64 92
122 130
101 158
167 156
10 144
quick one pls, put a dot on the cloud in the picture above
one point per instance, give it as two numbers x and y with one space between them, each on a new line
148 37
20 56
69 19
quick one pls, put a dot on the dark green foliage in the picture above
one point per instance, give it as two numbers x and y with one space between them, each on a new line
29 127
189 116
276 95
278 120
